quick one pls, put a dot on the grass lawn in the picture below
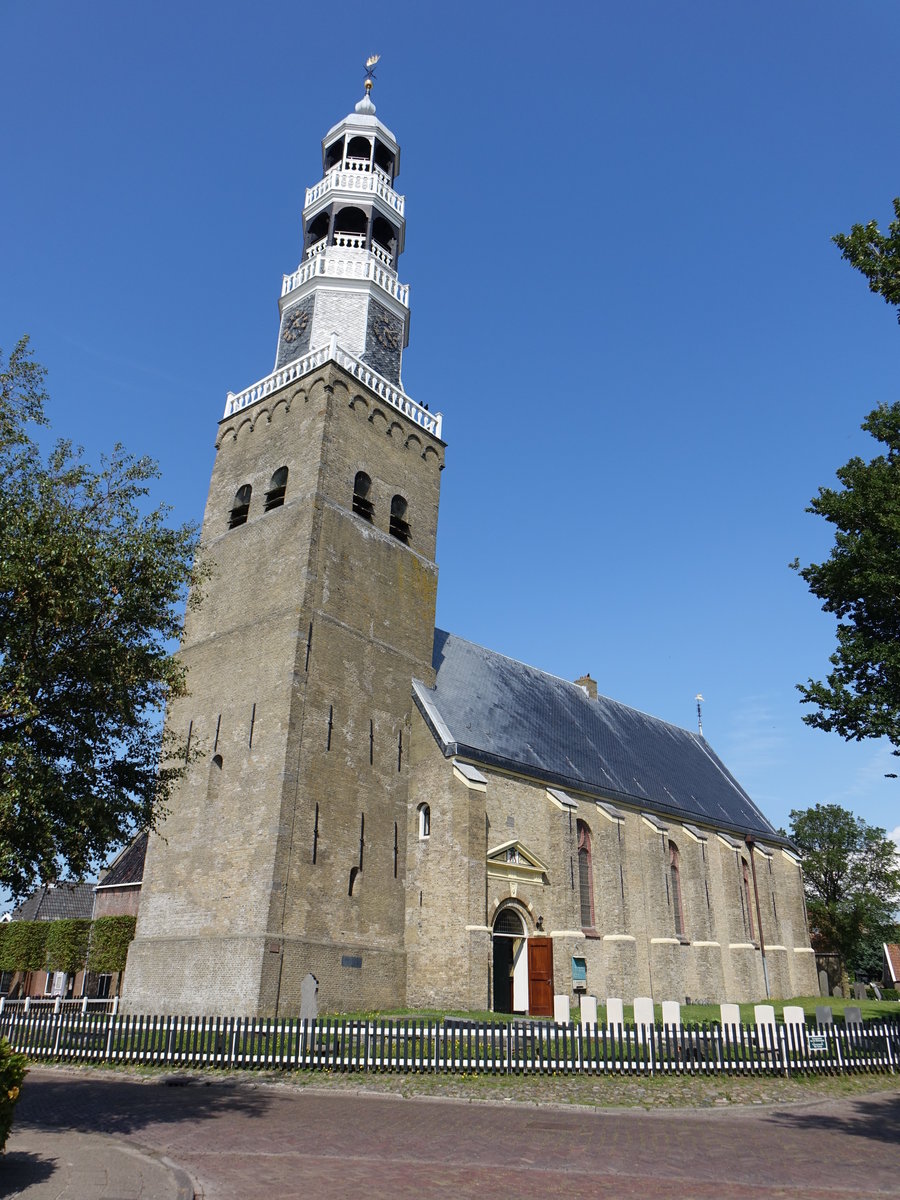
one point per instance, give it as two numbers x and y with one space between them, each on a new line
690 1013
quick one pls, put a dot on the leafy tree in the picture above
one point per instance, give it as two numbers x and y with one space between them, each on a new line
860 581
851 873
92 586
876 255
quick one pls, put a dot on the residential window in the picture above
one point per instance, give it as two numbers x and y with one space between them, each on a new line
399 524
675 878
585 876
362 503
277 488
241 506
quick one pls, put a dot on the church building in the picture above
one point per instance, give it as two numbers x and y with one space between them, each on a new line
411 818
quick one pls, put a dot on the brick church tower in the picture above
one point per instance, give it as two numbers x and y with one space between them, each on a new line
283 851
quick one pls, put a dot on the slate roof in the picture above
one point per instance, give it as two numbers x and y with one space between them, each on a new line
503 713
128 868
62 902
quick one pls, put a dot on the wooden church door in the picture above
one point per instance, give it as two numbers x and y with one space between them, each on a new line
540 977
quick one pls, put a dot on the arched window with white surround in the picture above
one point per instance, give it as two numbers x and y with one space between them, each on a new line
424 821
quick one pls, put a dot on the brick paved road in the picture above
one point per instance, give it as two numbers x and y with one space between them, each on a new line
242 1141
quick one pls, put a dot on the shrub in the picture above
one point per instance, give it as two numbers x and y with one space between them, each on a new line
24 946
110 939
890 994
12 1072
67 945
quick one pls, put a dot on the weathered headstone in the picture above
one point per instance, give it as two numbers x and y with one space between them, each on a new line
852 1015
309 998
561 1010
588 1010
877 990
824 1015
860 991
671 1012
730 1014
615 1012
837 991
823 984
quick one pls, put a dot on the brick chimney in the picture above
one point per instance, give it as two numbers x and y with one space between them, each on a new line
588 686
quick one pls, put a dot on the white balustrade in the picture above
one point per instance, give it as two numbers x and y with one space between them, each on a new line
339 180
352 241
387 391
318 248
354 267
381 254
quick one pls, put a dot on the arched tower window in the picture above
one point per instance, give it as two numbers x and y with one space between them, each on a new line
748 906
399 523
317 232
384 239
277 488
351 226
675 879
359 153
362 503
424 821
585 876
241 506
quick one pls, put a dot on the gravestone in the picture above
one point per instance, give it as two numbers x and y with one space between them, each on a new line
877 990
615 1012
860 991
730 1014
837 991
794 1015
643 1011
824 1015
309 998
852 1015
671 1012
766 1034
823 983
561 1010
588 1010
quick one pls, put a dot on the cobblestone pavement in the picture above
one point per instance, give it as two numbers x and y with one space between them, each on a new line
247 1140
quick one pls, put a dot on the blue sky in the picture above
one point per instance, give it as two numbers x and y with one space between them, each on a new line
624 300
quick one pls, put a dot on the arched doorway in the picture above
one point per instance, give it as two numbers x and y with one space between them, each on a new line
510 962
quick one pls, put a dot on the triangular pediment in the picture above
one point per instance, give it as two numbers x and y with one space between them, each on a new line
514 853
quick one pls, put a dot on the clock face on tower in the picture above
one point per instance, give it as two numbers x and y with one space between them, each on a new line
384 341
386 332
295 326
296 329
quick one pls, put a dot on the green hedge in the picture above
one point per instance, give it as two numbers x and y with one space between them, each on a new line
67 945
24 946
12 1072
110 939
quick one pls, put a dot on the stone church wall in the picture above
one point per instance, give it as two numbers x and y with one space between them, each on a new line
632 948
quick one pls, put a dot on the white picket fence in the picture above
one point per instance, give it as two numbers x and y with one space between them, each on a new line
451 1046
